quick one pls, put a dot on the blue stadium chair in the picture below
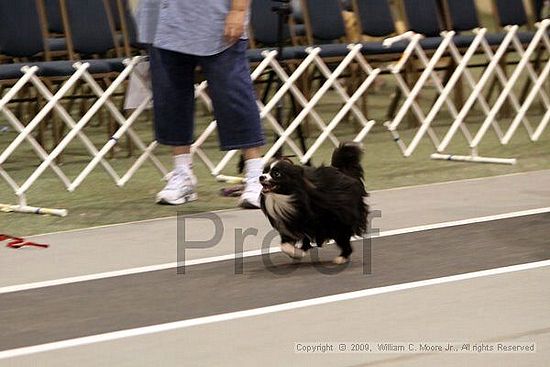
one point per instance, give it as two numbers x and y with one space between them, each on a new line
90 30
463 17
510 12
27 42
264 23
58 43
21 30
376 20
375 17
89 27
423 17
324 21
264 28
325 27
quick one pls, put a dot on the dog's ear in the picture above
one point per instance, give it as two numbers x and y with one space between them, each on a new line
287 159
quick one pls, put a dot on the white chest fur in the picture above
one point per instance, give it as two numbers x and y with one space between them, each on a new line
280 208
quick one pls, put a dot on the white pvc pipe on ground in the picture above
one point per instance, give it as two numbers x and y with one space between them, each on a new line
472 158
33 210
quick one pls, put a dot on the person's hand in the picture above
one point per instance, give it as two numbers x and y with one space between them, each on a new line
234 25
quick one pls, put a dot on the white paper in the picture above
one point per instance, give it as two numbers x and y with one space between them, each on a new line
139 87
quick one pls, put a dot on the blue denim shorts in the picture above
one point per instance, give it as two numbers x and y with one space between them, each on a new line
229 87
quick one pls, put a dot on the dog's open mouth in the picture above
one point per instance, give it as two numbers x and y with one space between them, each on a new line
268 187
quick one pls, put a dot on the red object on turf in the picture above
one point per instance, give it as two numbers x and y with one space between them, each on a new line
17 242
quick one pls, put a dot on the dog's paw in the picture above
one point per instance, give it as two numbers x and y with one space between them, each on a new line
340 260
292 251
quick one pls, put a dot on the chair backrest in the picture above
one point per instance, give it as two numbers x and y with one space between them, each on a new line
323 19
89 27
423 17
462 15
22 28
375 17
510 12
53 15
264 23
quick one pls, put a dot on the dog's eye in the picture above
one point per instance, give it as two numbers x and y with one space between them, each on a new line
276 174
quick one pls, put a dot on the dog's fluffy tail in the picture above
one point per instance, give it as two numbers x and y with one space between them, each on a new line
347 158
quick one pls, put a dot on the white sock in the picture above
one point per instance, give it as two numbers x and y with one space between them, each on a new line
183 163
254 168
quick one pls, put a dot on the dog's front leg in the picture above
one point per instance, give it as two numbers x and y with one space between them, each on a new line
306 244
288 247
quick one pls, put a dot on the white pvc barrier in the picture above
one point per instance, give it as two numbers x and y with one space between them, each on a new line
510 42
288 87
75 130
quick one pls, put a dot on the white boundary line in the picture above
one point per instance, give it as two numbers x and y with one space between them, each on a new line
465 180
473 179
147 330
150 268
130 271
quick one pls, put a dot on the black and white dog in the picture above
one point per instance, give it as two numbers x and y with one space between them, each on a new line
308 204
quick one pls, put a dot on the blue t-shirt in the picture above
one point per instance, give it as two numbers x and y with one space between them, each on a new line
147 16
194 27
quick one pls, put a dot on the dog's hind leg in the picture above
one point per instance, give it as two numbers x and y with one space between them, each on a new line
343 241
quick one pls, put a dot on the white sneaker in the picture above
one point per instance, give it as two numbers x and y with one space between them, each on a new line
250 198
180 189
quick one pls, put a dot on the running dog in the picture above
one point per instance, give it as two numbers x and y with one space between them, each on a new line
317 204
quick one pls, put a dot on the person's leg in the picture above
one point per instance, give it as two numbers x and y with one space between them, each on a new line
250 198
236 112
172 76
